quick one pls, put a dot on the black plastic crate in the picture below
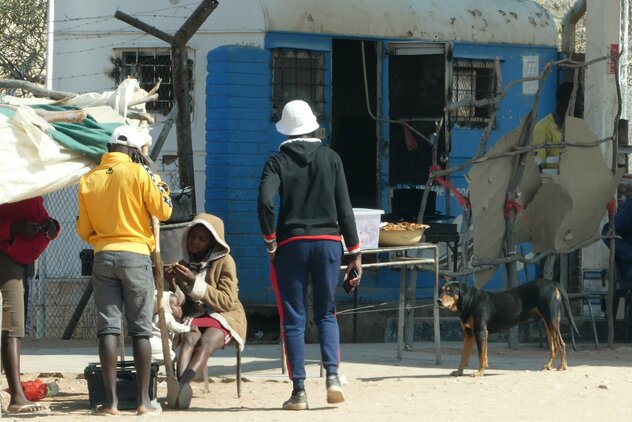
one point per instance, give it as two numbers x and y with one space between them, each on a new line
126 388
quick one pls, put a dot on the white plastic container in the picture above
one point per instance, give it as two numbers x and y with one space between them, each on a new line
368 225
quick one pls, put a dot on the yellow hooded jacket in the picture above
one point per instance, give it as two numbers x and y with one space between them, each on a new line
116 199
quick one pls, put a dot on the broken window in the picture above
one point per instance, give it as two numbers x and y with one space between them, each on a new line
148 66
298 75
473 79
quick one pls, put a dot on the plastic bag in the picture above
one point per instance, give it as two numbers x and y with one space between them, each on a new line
38 389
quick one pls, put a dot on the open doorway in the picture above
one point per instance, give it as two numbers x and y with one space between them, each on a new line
353 131
417 95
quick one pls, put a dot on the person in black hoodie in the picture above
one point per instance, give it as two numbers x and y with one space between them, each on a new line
315 214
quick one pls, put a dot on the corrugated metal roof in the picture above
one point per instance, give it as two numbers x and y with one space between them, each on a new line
485 21
488 21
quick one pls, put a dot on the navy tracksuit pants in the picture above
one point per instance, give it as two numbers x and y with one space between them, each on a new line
293 265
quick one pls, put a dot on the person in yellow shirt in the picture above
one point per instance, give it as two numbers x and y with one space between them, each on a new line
549 129
116 200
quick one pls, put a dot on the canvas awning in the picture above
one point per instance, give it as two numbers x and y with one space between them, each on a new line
37 157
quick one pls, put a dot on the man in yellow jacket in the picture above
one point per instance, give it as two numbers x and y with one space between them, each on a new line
116 200
549 129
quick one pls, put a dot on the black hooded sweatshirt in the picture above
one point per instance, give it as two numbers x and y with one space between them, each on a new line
314 200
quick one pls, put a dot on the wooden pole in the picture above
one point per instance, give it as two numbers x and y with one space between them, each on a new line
611 263
179 59
512 196
162 137
181 82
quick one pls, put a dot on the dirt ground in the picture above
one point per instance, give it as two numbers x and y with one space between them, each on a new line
596 387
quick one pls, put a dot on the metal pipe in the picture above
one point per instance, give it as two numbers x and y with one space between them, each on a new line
568 25
50 43
623 68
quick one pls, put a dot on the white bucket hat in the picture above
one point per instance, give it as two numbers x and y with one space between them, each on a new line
130 136
297 119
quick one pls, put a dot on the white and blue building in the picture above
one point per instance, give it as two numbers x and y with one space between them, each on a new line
364 66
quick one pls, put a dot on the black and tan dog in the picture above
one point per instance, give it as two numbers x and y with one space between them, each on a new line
484 312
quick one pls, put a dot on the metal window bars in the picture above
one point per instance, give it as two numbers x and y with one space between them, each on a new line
298 75
473 79
148 66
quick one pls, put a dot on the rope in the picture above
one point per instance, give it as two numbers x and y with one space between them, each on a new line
367 309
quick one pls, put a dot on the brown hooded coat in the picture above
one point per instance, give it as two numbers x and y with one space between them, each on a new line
215 286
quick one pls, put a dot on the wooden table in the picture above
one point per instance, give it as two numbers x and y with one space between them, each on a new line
405 258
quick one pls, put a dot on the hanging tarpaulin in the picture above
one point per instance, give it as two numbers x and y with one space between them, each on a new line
32 163
38 157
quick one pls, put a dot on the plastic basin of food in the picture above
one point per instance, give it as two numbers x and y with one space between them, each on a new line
401 237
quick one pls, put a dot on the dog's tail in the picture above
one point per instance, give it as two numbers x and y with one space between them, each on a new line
569 316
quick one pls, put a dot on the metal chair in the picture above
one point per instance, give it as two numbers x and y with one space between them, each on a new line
238 369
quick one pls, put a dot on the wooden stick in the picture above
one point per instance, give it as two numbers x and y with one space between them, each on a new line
68 116
34 89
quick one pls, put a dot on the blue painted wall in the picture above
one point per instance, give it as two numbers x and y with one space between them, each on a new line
239 138
240 135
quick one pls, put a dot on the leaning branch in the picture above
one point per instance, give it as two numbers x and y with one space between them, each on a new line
490 264
35 89
522 150
66 116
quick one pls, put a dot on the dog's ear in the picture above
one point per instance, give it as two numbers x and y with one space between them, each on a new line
443 281
452 285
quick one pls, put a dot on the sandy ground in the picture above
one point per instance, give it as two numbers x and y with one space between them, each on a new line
596 387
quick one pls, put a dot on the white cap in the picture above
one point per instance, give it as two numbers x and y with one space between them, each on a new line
297 119
130 136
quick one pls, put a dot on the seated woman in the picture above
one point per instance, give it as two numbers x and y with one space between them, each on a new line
208 278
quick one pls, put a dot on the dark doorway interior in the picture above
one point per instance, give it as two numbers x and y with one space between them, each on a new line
353 132
417 96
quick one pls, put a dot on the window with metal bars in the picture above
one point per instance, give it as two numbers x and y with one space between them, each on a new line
472 79
147 66
298 75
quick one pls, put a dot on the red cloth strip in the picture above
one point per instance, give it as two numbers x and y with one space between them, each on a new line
612 207
462 200
411 143
512 205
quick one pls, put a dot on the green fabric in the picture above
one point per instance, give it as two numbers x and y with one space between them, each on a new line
7 112
88 138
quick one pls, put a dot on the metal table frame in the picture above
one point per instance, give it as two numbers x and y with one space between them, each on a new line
398 257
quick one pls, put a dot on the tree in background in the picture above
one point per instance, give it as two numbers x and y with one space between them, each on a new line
23 30
558 9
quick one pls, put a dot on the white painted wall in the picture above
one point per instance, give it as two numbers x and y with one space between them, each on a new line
87 35
603 28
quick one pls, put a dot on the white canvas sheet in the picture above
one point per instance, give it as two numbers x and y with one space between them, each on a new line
31 162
